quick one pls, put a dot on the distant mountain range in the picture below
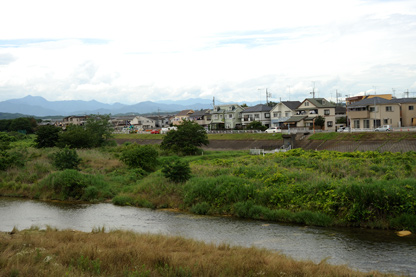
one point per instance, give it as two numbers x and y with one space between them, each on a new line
40 107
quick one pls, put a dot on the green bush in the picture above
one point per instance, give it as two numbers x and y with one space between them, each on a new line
47 136
66 159
201 208
177 171
138 156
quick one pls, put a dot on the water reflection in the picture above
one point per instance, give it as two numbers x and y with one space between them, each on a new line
361 249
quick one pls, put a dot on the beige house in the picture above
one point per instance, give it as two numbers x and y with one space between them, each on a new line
311 108
407 111
282 112
373 112
202 117
181 116
142 123
76 120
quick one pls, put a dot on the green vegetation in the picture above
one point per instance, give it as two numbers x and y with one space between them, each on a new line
324 188
47 136
95 133
49 252
177 171
66 159
141 157
186 139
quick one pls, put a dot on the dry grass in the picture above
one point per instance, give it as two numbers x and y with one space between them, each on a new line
119 253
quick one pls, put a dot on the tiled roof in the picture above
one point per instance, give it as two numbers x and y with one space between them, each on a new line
370 101
258 108
184 112
291 104
320 102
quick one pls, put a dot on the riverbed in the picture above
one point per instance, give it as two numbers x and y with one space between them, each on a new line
360 249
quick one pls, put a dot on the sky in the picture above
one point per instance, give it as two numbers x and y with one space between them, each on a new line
134 51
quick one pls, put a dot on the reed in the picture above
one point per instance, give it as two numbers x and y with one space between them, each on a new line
51 252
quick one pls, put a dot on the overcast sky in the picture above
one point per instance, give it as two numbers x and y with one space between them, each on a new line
134 51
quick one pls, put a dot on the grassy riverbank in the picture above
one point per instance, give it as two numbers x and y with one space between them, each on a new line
50 252
323 188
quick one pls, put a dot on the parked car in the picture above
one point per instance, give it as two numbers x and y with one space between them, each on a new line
273 130
384 128
155 131
343 129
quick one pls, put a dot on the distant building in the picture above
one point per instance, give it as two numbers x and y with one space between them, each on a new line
226 117
259 113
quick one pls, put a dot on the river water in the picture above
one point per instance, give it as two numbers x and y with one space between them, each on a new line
360 249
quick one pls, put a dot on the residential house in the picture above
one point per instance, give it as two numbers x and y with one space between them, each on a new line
311 108
259 113
75 120
226 117
142 123
121 122
407 111
373 112
282 111
202 117
160 121
181 116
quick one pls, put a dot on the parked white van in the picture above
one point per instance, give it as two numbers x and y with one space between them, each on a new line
165 130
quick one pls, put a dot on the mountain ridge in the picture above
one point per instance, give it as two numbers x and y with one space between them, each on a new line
39 106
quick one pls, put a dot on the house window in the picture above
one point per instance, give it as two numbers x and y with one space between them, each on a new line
306 104
220 116
287 114
329 123
366 123
230 116
356 123
411 108
385 121
326 112
372 109
215 116
267 115
275 114
389 109
256 115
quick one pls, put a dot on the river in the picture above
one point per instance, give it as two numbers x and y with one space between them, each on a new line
360 249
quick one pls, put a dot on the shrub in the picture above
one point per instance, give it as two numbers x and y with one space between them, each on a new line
137 156
70 183
66 159
177 171
186 139
47 136
201 208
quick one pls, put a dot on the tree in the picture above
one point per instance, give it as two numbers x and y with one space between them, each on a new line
23 124
47 136
320 121
186 139
95 133
100 128
75 136
256 125
140 156
177 171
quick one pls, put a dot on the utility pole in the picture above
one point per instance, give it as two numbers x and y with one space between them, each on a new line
268 94
313 90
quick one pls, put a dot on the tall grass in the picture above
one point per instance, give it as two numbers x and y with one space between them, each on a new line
118 253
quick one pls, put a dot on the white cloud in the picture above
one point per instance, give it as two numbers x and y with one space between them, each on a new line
132 51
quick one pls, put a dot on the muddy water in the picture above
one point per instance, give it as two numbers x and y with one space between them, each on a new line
364 250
